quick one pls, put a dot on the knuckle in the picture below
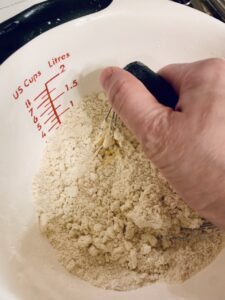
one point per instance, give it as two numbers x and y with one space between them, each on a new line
215 70
215 65
217 62
210 70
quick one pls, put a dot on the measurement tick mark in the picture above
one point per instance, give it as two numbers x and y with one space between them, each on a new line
49 92
45 111
53 126
54 99
60 114
52 104
39 95
42 103
58 96
52 115
51 79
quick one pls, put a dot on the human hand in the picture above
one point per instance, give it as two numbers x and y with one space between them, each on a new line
188 144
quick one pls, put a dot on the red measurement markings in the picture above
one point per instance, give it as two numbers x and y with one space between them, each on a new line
48 103
35 119
60 114
46 94
53 100
50 99
44 112
44 109
52 114
44 91
50 129
56 98
49 92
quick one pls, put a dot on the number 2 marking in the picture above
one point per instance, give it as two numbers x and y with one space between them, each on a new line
63 68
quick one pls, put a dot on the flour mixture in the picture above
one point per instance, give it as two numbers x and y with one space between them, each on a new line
112 218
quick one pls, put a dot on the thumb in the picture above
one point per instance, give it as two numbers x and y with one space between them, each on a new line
138 109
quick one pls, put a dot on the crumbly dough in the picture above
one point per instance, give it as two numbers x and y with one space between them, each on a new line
112 217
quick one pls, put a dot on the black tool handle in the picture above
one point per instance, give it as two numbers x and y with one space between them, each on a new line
155 83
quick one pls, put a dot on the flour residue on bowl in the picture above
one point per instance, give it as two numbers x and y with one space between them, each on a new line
112 217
